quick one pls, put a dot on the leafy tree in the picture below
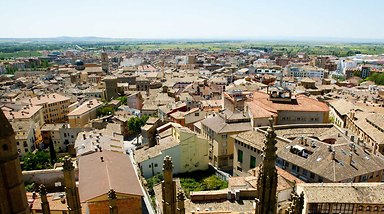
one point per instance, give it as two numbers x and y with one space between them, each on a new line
151 182
36 161
135 123
123 100
378 78
106 110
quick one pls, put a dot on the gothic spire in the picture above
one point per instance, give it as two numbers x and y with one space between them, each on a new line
267 180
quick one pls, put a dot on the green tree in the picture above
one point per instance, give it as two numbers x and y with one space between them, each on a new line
106 110
135 123
123 100
36 161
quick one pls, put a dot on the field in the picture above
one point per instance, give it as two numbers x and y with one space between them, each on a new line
13 49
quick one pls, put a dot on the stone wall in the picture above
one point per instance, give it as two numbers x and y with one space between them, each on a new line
48 177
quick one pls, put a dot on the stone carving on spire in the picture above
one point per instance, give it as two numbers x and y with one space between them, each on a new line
296 203
42 190
112 194
167 165
68 163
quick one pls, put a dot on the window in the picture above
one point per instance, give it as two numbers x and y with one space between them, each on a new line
252 163
197 114
26 149
305 172
240 156
155 164
239 168
312 175
5 147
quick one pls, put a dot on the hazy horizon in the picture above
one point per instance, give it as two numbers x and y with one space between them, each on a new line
195 20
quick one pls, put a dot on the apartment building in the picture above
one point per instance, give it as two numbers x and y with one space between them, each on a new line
313 153
343 198
55 106
307 71
25 137
217 128
83 114
188 150
286 108
366 128
329 161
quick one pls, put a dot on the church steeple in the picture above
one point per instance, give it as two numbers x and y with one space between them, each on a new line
267 180
13 198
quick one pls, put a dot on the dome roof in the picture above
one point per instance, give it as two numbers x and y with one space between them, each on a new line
79 62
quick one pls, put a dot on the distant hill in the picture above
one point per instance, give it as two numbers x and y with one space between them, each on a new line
186 40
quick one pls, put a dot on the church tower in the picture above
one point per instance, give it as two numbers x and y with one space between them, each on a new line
104 61
13 199
266 202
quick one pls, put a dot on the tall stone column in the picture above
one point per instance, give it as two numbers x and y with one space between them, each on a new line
44 201
71 191
168 187
112 198
267 180
13 198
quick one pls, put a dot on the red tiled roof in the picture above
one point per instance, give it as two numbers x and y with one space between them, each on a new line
303 103
97 177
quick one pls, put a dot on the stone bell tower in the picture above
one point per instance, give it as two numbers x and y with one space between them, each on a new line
104 61
266 202
13 199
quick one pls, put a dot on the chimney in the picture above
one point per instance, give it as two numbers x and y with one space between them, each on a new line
157 139
333 156
102 159
84 137
350 158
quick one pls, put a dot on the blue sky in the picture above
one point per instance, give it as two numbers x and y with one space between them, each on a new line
210 19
